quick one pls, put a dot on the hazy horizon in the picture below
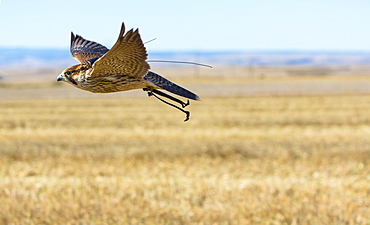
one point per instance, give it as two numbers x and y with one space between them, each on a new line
42 57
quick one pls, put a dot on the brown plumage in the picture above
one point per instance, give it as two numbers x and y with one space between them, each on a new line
121 68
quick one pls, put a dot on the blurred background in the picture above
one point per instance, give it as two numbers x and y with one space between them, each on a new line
330 36
281 135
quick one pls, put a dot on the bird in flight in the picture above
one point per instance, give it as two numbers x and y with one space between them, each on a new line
123 67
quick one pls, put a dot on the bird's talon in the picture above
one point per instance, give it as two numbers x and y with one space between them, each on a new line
187 115
185 104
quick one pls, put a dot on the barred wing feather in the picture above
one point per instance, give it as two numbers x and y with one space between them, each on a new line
127 57
83 50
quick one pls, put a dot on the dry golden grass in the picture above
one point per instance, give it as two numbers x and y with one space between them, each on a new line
246 160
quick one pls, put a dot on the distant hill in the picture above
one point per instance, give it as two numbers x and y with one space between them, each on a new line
51 58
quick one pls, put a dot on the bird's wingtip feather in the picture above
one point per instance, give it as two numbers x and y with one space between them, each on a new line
122 30
72 36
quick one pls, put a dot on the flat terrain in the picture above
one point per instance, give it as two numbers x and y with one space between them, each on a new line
265 157
204 87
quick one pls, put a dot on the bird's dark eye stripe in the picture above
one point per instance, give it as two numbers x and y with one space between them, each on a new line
68 73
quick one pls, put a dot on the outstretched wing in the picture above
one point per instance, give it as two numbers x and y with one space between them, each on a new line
83 50
127 57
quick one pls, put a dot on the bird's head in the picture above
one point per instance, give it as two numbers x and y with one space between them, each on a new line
71 74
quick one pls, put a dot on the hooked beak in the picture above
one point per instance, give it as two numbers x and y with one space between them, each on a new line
61 77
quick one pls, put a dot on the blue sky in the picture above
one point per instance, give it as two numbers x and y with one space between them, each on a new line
192 24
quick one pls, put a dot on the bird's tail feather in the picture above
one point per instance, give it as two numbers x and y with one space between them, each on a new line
167 85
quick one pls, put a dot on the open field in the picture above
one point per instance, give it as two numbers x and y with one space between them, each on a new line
205 87
243 158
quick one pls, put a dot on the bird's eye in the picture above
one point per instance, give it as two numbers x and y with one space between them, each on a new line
68 73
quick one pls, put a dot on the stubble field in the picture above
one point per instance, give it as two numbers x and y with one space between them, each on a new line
241 159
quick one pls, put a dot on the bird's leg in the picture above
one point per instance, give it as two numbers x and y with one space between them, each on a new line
150 93
183 104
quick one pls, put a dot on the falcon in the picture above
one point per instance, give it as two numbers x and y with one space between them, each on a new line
123 67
